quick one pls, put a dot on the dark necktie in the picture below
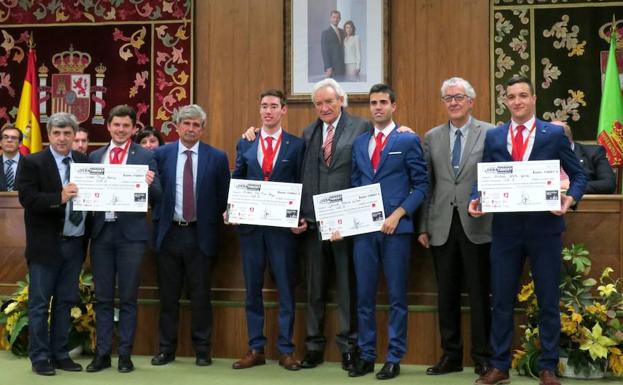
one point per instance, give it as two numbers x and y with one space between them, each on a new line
456 151
75 217
376 154
269 156
188 195
328 144
10 175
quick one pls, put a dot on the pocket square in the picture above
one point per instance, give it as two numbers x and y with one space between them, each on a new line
395 153
285 160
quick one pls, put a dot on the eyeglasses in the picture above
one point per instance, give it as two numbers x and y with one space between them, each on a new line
9 137
457 98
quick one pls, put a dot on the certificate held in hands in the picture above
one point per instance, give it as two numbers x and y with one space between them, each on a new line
264 203
519 186
352 211
110 187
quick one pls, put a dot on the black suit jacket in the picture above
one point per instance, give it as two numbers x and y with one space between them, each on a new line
601 178
333 50
3 177
44 214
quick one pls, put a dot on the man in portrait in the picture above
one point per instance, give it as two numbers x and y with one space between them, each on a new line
332 45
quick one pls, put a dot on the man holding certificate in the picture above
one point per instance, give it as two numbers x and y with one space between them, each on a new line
394 160
118 242
536 234
274 156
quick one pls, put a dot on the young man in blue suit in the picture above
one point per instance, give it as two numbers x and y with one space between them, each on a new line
536 235
396 161
276 156
118 242
195 182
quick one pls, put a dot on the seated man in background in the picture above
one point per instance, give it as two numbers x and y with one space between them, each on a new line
10 141
601 178
81 140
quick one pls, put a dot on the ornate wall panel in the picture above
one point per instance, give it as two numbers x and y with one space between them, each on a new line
95 55
562 46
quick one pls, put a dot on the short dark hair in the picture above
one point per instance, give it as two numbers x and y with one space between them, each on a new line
276 93
82 129
335 11
516 79
121 111
384 88
12 127
147 132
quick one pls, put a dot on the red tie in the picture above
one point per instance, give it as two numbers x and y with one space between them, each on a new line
376 154
269 156
518 146
115 155
188 194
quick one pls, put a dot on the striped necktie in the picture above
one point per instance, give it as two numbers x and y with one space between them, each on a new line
9 174
328 144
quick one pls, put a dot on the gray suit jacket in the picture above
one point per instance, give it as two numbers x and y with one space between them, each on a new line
447 190
338 173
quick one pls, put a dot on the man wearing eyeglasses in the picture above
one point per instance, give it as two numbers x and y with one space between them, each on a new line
10 140
458 242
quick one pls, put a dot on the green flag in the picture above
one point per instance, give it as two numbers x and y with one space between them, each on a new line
610 130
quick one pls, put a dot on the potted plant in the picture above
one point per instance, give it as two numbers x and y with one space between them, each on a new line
591 339
14 319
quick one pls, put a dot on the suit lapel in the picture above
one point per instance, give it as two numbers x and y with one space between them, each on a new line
363 153
251 154
444 139
474 133
281 154
339 130
540 132
53 170
202 159
131 154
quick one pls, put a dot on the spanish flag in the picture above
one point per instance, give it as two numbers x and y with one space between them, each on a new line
28 112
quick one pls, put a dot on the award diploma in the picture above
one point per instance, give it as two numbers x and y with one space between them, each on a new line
255 202
352 211
110 187
519 186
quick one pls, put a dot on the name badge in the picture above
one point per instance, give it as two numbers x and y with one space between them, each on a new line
110 216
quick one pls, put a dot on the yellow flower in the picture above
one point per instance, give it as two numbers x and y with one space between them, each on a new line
518 355
596 344
567 325
606 290
576 317
615 362
76 312
10 307
526 292
10 322
606 272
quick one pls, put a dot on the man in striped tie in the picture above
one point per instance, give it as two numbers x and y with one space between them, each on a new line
10 140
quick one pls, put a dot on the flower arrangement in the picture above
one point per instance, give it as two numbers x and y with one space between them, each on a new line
590 313
14 318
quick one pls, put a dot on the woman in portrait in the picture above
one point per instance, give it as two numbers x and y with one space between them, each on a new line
149 138
352 52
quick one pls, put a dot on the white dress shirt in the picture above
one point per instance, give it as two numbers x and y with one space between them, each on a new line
527 131
178 215
260 148
386 131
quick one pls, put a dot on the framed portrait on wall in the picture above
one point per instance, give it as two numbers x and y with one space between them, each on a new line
347 40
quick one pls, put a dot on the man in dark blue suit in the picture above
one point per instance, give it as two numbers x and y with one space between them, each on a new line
518 235
195 182
54 244
275 156
395 160
118 242
332 46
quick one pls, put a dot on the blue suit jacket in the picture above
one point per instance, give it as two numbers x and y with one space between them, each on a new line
550 143
212 186
135 226
401 173
287 167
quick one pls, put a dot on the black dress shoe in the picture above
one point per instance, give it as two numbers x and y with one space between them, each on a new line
361 368
68 365
162 358
203 359
125 364
481 368
348 361
312 359
444 366
43 368
99 363
389 370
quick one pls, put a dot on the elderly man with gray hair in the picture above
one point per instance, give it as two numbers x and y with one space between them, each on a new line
195 182
459 242
54 245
